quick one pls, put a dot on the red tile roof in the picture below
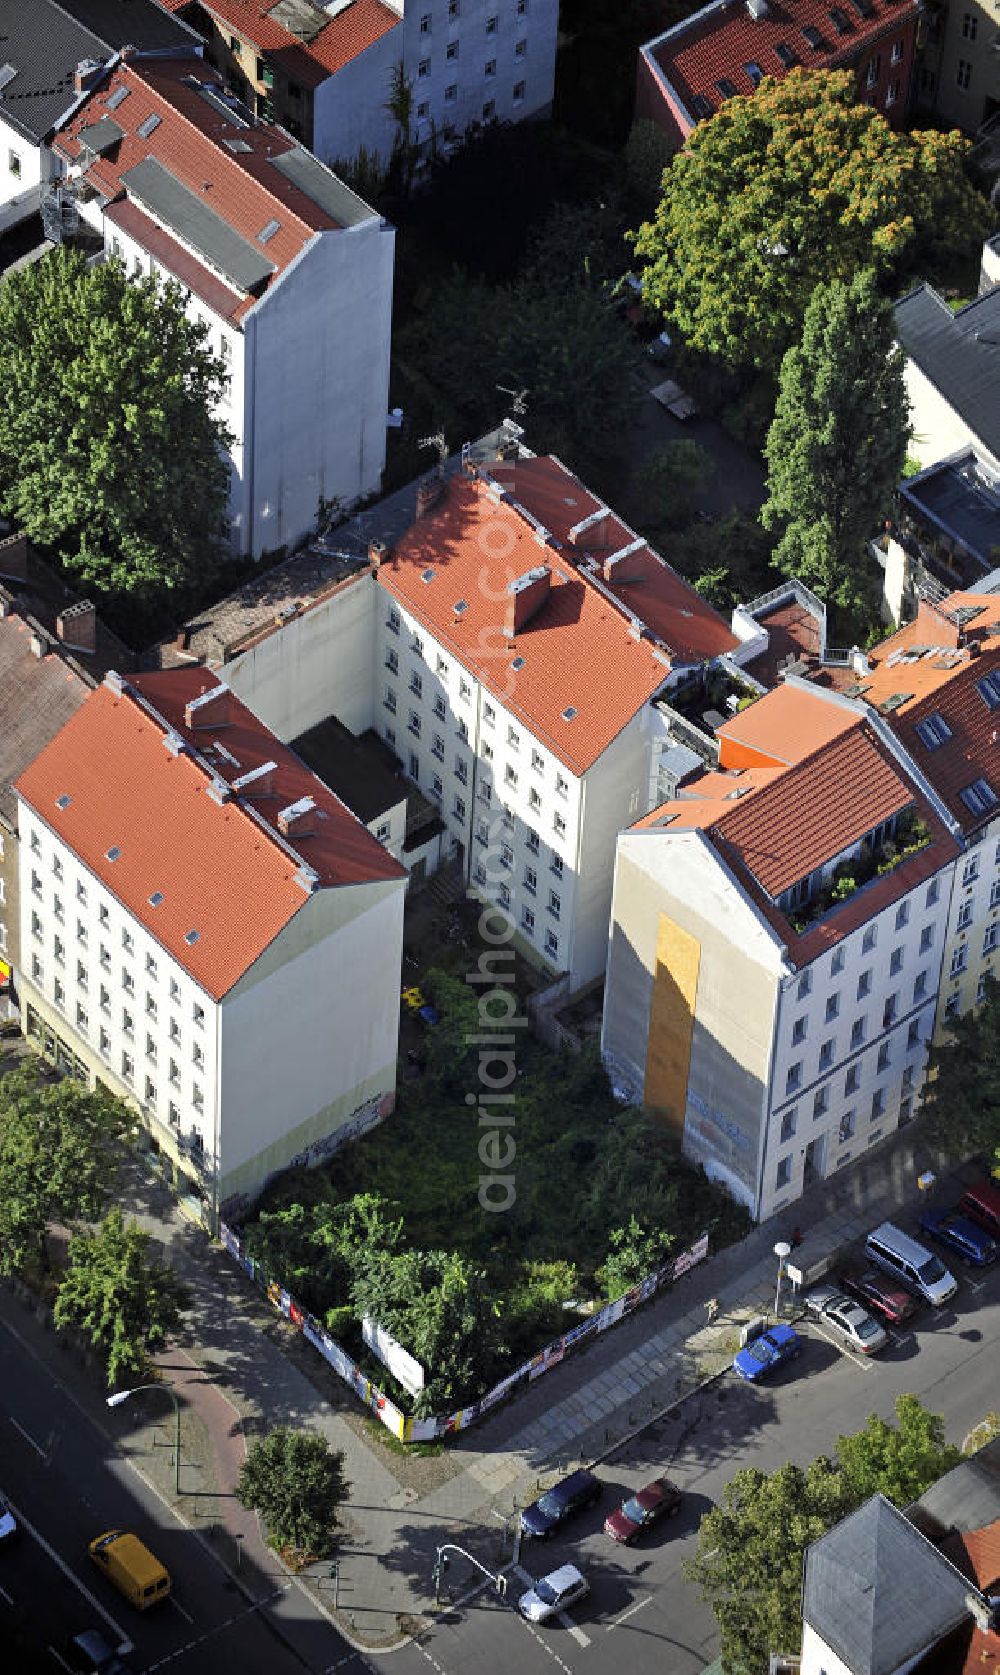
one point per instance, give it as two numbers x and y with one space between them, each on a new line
580 651
221 866
241 187
717 42
782 727
358 26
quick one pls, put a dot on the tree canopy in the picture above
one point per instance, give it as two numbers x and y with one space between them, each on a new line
60 1149
837 444
295 1480
794 185
751 1546
961 1099
125 1302
109 454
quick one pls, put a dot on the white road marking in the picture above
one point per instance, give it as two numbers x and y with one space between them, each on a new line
185 1614
220 1628
629 1613
8 1597
563 1617
124 1643
30 1439
844 1349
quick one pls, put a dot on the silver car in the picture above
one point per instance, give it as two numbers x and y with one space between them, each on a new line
553 1593
846 1318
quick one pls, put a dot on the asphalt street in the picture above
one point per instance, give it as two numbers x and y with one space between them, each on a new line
640 1612
66 1484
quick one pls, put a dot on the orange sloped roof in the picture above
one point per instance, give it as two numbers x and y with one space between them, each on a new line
219 866
578 652
358 26
784 726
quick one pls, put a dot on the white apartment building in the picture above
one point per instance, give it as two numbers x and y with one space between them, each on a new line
208 932
327 71
777 1017
289 272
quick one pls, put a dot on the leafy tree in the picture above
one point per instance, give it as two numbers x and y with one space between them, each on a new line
986 1431
127 1303
317 1250
961 1099
899 1461
795 185
836 448
563 342
671 480
751 1547
728 561
108 451
438 1305
60 1150
633 1252
748 1563
295 1480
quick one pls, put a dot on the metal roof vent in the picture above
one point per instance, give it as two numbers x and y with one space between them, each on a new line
428 575
112 854
191 937
461 606
156 898
569 713
63 801
518 663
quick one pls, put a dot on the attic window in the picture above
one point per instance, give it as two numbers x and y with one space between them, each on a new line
702 107
191 937
864 8
63 801
933 731
754 72
461 606
117 98
979 797
113 853
727 88
813 37
893 703
428 576
840 20
569 713
784 52
156 898
268 232
149 126
989 689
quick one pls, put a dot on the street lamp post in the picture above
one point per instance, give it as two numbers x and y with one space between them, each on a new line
123 1396
782 1251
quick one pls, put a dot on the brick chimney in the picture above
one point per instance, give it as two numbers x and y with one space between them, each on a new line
378 552
214 709
525 598
86 74
76 626
298 819
14 557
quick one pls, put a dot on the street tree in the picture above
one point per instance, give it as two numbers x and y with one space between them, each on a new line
960 1106
751 1547
898 1460
295 1480
633 1252
837 444
60 1153
440 1307
119 1297
787 188
109 454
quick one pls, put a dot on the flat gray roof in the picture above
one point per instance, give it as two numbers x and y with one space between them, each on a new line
194 222
321 185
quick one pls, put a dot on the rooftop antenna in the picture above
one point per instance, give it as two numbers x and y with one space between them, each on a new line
519 400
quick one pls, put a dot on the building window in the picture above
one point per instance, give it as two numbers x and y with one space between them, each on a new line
81 974
883 1057
437 747
519 91
81 929
127 942
175 989
959 959
534 800
821 1103
528 920
416 684
825 1056
805 985
510 775
964 915
788 1124
933 892
837 962
454 8
440 708
551 944
913 1034
892 93
437 786
197 1100
981 987
57 867
851 1081
392 660
489 715
926 938
174 1073
970 872
857 1032
559 825
800 1029
832 1007
869 939
555 904
895 962
451 51
128 1023
538 761
424 68
562 785
59 950
14 164
389 700
520 49
794 1076
392 621
425 24
36 927
896 55
531 841
530 879
150 1049
784 1174
480 873
920 986
461 770
37 971
873 69
557 865
104 999
151 1006
889 1012
128 981
413 724
150 1091
864 984
58 909
902 915
198 1015
846 1129
81 1018
990 939
995 893
491 69
504 895
459 809
423 110
491 25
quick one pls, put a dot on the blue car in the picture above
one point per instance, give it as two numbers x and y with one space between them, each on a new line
960 1234
771 1350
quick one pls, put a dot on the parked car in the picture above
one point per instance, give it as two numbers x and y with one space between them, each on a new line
8 1523
981 1203
571 1495
90 1654
659 1499
553 1593
846 1318
881 1295
771 1350
961 1235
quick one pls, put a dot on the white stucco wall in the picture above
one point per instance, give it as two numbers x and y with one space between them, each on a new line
937 430
317 370
24 167
614 793
310 1033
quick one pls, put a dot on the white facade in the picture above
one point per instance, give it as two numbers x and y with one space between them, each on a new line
466 61
308 371
300 1052
937 430
25 167
972 932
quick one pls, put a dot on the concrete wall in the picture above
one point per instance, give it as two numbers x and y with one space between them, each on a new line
318 382
613 794
320 663
309 1035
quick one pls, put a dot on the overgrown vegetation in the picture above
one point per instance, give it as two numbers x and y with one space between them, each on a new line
848 877
960 1105
602 1193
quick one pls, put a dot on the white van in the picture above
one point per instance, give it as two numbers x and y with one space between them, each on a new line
896 1253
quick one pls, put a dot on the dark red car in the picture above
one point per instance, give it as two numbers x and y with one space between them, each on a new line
884 1296
659 1499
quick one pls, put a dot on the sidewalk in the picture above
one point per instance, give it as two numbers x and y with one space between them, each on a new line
238 1372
